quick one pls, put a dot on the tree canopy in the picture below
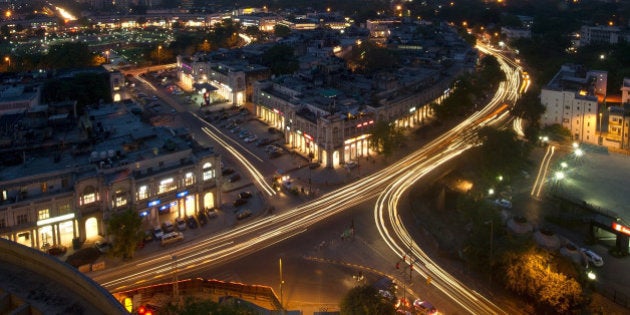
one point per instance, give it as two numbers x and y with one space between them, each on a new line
365 300
280 59
385 137
532 274
368 57
125 228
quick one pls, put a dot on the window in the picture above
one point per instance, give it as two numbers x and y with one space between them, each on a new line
3 223
189 179
21 219
44 187
64 209
89 196
43 214
143 192
208 172
120 198
64 183
167 185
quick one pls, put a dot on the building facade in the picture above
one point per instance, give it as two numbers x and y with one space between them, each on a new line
112 162
571 99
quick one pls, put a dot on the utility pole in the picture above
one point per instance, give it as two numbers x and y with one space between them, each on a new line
281 283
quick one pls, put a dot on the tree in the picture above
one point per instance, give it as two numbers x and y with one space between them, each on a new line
385 137
531 273
125 229
281 30
280 59
365 300
369 58
500 154
69 55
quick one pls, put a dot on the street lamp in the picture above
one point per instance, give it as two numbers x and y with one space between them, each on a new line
159 54
8 60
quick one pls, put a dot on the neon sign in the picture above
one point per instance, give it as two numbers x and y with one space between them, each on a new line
621 228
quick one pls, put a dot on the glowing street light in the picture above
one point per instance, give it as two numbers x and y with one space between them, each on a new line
591 275
491 191
579 152
575 145
564 165
559 175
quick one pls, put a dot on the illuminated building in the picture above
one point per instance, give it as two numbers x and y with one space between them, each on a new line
571 99
59 186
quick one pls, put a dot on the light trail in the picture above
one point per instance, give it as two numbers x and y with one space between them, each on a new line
253 171
255 235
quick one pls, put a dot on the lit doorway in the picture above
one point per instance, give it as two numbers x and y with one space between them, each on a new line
91 228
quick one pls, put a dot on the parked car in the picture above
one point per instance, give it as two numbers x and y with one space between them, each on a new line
592 257
172 237
158 233
148 236
192 223
351 164
181 224
201 218
244 195
243 214
251 139
263 141
239 202
227 171
102 246
57 250
213 213
424 307
233 178
168 227
503 203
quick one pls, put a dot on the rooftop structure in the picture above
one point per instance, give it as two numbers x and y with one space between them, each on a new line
32 282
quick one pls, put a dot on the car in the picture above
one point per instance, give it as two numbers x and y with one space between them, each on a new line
148 236
192 223
227 171
243 214
239 202
57 250
201 218
592 257
351 164
424 307
262 141
244 195
503 203
102 246
233 178
158 233
212 213
181 224
168 227
251 139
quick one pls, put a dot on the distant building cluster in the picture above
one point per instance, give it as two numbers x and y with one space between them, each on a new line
324 110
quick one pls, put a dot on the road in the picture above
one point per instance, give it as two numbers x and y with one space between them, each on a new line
267 231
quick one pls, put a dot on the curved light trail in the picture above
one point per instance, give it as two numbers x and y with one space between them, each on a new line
255 235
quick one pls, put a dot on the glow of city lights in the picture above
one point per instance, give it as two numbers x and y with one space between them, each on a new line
559 175
65 14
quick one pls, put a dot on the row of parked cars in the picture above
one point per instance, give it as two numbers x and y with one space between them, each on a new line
170 232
